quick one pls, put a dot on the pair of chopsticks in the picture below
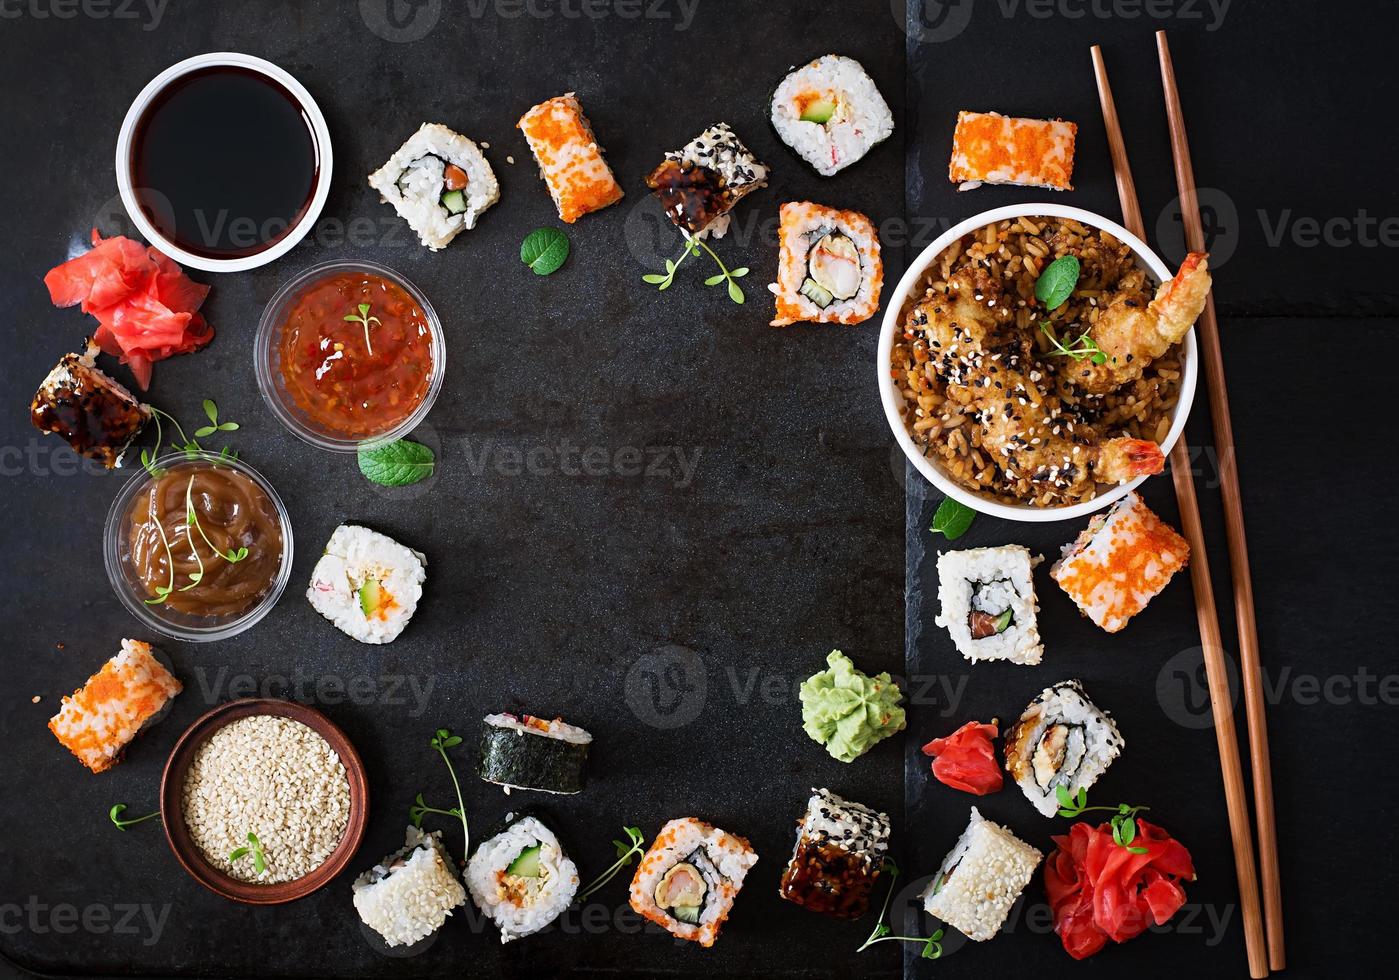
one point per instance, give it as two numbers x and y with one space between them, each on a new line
1260 960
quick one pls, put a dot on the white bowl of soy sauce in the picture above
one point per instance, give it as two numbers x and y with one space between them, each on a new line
224 162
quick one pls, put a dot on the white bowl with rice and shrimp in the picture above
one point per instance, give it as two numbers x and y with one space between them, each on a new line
1029 413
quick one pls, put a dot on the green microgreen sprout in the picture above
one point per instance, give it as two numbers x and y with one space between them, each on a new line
255 849
365 319
212 411
1084 347
692 247
190 447
442 740
626 850
114 814
1123 820
932 945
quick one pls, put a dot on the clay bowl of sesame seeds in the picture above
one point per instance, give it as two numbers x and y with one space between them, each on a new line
264 801
1000 396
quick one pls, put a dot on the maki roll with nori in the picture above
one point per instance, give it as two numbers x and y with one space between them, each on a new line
699 184
688 879
524 752
830 112
839 855
522 878
1061 740
408 895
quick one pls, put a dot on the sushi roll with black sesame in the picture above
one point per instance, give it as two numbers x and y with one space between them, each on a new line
522 878
830 112
97 416
524 752
700 183
1061 740
838 857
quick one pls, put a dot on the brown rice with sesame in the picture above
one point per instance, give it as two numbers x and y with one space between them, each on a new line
1013 253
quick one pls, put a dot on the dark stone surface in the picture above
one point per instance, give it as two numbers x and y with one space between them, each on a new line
674 615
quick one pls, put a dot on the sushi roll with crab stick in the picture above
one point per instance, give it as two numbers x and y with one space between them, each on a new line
829 269
1061 740
688 879
525 752
830 112
521 877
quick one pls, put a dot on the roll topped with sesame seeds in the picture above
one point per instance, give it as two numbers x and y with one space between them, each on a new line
981 878
700 183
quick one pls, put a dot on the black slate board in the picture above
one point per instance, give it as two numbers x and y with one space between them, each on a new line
675 616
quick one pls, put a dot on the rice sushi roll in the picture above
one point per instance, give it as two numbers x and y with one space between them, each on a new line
989 605
838 857
829 270
522 878
1061 739
830 112
408 895
132 691
981 878
699 184
95 415
570 161
439 182
367 584
989 148
524 752
1120 562
689 877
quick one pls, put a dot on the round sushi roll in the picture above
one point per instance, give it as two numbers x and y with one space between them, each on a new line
689 878
522 878
367 584
1061 739
439 182
989 605
830 112
829 269
524 752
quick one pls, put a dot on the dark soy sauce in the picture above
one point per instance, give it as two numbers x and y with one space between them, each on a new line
224 162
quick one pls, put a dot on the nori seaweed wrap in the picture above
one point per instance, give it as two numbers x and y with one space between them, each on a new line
525 752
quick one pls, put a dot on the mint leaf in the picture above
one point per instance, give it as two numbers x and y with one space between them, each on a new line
952 519
1056 283
397 464
544 250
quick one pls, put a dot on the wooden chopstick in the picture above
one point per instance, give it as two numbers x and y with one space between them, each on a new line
1250 661
1216 670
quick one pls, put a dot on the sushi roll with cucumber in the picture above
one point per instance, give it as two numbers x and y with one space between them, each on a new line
829 270
439 182
830 112
981 878
367 584
1061 740
700 183
524 752
522 878
838 857
408 895
689 877
989 605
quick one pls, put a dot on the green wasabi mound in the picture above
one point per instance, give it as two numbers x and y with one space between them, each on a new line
848 711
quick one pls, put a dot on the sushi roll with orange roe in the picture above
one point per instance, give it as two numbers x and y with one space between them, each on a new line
689 878
569 158
829 269
130 692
